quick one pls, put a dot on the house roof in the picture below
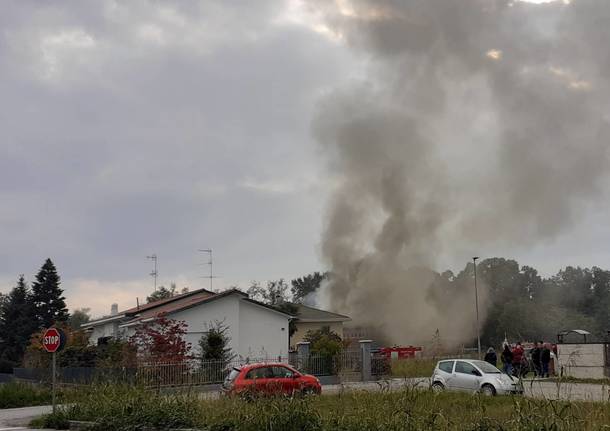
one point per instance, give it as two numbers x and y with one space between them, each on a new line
188 296
173 307
149 312
184 298
306 313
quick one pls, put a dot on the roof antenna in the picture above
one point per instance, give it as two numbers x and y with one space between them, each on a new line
211 276
154 273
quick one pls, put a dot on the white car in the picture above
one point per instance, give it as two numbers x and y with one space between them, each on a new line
473 376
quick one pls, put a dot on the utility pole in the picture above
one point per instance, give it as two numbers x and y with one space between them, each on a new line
476 301
154 273
209 251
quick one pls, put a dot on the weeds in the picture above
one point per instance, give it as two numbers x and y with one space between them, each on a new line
127 408
14 395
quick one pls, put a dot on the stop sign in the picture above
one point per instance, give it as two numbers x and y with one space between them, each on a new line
52 340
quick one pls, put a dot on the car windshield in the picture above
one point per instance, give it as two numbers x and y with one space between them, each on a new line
486 367
232 375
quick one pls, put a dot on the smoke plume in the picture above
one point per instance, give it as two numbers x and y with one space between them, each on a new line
478 123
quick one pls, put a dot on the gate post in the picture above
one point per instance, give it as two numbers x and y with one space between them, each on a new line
365 360
302 355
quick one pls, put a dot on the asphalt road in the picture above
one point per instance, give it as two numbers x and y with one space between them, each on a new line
17 419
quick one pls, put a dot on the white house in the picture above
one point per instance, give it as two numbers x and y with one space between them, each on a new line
257 331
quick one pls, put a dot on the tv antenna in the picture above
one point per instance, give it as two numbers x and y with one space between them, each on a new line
154 272
211 276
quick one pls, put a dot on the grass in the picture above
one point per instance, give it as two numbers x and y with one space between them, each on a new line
413 367
127 408
13 395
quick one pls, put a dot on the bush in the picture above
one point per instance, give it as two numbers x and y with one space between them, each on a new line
13 395
6 366
57 421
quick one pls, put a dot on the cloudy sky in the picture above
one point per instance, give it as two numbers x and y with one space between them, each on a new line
138 127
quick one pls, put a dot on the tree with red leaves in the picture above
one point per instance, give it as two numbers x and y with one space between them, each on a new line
162 341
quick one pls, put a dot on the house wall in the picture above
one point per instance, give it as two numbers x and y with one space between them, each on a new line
586 361
109 329
304 327
263 333
199 318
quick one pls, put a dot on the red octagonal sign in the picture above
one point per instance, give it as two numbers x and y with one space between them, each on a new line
52 340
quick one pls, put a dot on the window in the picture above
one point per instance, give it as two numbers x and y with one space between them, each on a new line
282 373
260 373
446 366
464 368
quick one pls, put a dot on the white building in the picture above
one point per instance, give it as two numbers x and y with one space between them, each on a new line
256 330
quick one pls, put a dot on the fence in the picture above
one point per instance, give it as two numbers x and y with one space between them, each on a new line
345 366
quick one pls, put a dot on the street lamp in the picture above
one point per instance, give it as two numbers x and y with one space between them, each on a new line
476 302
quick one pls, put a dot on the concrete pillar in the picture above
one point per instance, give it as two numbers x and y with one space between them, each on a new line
365 359
302 355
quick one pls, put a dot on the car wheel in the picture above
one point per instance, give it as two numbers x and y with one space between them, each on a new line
437 387
309 391
488 390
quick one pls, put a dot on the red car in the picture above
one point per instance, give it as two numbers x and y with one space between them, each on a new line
269 379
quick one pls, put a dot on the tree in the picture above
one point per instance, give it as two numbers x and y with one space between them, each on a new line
304 286
49 304
162 340
274 293
214 343
164 293
324 341
17 323
79 317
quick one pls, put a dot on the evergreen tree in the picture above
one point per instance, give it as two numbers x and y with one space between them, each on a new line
47 297
17 323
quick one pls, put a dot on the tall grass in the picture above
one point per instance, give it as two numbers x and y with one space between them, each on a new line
413 367
127 408
14 395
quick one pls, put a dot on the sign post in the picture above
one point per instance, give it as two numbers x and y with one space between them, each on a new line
53 341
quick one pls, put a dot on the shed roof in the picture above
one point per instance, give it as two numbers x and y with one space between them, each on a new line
306 313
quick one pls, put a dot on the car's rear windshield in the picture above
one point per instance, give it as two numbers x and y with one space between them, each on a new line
233 374
486 367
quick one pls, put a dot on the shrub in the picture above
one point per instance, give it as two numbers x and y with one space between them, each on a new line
14 395
6 366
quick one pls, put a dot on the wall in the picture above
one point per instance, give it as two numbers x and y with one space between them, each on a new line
109 329
583 361
303 327
199 318
263 333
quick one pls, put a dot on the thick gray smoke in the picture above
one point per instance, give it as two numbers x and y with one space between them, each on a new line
479 123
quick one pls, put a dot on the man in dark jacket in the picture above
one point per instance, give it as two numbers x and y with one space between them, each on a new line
545 359
491 357
536 352
507 360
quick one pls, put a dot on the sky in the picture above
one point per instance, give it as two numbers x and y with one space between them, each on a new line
141 127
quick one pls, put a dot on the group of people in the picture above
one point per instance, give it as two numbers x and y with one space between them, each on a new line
515 360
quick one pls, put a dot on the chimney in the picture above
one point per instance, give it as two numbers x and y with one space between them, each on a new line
114 309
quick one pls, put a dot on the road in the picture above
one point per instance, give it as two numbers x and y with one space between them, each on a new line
17 419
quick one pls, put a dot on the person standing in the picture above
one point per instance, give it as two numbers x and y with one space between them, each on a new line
518 358
536 351
507 360
491 357
545 359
